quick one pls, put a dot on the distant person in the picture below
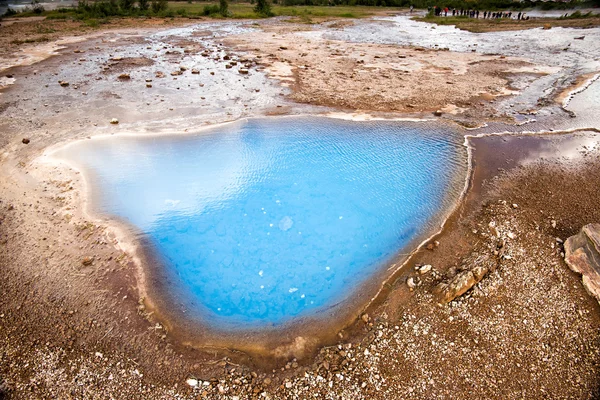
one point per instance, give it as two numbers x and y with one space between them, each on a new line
477 14
484 14
446 12
519 16
453 12
510 14
461 12
411 8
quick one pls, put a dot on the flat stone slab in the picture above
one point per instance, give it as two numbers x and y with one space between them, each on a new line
582 255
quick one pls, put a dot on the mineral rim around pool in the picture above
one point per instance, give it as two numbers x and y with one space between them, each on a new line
264 221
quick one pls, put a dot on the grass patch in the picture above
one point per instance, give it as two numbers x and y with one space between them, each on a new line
480 25
246 10
92 12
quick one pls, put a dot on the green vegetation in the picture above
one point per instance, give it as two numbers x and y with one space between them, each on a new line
9 12
424 4
263 8
246 10
94 12
479 25
223 8
159 6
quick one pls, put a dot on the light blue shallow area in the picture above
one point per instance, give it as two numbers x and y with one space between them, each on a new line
265 220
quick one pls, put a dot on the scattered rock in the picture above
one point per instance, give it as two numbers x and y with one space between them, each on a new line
582 255
460 284
114 121
25 141
195 71
437 113
243 71
148 85
193 382
410 282
87 261
159 74
63 83
424 269
176 73
124 77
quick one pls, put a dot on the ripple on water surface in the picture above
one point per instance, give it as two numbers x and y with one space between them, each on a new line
261 221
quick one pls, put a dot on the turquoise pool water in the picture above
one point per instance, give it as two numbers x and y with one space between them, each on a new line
266 220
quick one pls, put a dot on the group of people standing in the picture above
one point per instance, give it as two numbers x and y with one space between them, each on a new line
439 11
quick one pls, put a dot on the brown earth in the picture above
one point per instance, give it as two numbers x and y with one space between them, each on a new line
16 32
72 324
371 77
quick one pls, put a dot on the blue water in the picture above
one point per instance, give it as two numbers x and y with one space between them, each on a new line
265 220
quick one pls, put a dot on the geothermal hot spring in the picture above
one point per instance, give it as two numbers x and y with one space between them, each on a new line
262 222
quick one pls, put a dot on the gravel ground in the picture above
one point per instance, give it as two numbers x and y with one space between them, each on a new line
73 325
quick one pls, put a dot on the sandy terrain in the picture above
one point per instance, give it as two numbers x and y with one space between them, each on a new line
73 320
371 77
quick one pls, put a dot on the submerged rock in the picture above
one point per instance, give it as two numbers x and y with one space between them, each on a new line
582 255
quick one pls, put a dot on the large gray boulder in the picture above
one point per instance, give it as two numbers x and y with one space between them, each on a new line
582 254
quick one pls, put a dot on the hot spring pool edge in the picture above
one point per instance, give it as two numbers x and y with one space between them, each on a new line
298 338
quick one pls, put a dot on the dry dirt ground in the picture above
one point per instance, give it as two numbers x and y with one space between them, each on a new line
371 77
72 324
